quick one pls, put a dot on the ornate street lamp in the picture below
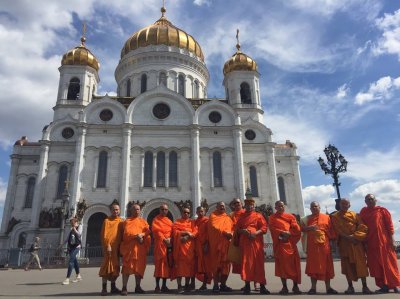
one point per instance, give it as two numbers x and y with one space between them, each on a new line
336 164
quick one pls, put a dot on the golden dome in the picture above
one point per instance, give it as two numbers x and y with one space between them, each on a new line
240 61
162 32
80 55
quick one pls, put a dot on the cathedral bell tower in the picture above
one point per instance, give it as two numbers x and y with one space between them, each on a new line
78 78
242 87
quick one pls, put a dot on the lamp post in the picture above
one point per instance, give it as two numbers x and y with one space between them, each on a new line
336 164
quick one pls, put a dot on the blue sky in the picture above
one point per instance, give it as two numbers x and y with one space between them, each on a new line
330 73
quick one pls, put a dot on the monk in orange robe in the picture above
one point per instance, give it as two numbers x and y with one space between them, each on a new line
319 265
134 247
162 229
220 232
351 232
286 233
237 211
110 240
249 231
203 267
184 232
381 255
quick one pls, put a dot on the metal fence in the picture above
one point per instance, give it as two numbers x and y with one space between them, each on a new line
53 257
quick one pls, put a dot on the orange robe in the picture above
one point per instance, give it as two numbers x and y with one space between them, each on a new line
287 258
252 266
235 215
352 256
319 257
382 259
218 224
184 261
110 235
162 229
133 252
203 261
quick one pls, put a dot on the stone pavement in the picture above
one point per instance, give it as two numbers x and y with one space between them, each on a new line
47 283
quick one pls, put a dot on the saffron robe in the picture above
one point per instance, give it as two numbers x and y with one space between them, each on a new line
252 265
287 258
183 252
133 252
352 256
202 260
110 235
218 224
235 215
319 263
381 258
161 229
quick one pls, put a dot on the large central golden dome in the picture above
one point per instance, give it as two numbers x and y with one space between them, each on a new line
162 32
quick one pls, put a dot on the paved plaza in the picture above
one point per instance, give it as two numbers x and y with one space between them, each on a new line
47 283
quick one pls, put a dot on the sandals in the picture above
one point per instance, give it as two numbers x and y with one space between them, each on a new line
225 288
296 291
264 290
366 291
331 291
284 291
312 292
349 291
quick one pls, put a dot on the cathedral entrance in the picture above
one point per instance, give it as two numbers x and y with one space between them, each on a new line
94 225
150 219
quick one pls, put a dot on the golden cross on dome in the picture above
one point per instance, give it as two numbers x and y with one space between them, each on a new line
163 10
237 39
83 38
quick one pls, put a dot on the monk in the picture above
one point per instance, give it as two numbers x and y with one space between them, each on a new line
286 233
134 247
319 263
220 232
351 232
162 229
237 211
381 255
249 231
110 240
184 232
203 269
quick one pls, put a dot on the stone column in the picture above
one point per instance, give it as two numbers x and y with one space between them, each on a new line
37 198
167 170
237 135
78 166
126 168
270 151
195 144
142 171
210 157
154 171
10 197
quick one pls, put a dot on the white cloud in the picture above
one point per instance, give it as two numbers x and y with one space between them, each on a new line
202 2
323 194
342 91
382 89
308 138
389 43
386 191
373 165
3 191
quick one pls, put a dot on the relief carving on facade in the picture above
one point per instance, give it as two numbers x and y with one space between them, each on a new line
131 203
13 222
50 218
183 204
81 208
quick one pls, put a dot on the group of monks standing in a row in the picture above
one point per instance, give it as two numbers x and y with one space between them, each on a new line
207 248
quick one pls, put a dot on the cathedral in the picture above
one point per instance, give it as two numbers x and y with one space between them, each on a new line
159 140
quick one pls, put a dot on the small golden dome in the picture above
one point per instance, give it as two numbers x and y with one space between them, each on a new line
240 61
162 32
80 55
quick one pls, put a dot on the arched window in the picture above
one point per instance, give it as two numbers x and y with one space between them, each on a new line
128 88
281 188
245 93
30 192
162 79
148 169
173 169
217 166
160 169
22 240
143 83
253 181
196 89
62 177
74 88
102 170
181 85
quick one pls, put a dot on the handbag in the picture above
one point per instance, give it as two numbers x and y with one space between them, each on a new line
234 254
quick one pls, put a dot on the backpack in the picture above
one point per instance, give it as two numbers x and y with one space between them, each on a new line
32 248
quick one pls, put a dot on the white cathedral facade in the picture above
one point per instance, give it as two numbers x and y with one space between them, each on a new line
160 140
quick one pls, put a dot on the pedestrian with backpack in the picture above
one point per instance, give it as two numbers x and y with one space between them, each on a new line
74 242
34 251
